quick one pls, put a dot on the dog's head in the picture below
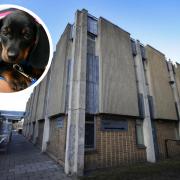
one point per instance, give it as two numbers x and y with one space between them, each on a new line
23 38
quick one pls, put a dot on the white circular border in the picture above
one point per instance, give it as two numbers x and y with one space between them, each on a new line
6 6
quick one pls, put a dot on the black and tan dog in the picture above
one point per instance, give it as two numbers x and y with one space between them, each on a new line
24 49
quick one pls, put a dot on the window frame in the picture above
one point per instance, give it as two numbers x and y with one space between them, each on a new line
92 25
139 123
90 122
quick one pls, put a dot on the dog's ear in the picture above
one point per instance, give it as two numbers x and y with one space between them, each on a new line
40 54
1 23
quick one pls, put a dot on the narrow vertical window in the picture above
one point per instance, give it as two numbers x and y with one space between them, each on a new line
133 46
92 25
177 132
89 133
139 133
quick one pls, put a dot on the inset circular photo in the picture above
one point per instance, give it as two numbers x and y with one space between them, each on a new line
25 49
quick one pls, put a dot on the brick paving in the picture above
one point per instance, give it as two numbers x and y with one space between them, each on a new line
24 161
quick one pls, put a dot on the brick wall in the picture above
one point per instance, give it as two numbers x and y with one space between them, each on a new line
57 140
166 130
114 148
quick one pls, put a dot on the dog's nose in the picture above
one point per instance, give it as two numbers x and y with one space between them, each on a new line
12 55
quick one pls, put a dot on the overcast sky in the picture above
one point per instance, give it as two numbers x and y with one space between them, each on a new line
154 22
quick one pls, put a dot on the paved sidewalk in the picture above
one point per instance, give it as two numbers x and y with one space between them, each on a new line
25 162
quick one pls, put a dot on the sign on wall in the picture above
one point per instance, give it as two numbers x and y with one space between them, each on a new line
113 124
60 122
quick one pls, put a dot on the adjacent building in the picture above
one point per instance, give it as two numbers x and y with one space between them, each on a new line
107 100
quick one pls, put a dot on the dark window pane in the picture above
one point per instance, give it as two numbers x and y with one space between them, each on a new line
141 105
92 25
133 45
143 52
89 133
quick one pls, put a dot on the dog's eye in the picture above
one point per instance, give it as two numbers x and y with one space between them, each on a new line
27 36
5 31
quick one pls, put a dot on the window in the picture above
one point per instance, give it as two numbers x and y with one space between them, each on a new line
92 25
177 132
177 112
141 105
92 77
91 44
71 32
133 46
89 133
139 133
151 106
111 123
143 52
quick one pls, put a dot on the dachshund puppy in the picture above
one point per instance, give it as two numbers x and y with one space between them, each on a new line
24 49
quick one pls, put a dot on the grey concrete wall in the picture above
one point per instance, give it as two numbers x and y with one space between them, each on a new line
31 107
27 110
57 90
26 117
41 99
118 90
160 87
35 103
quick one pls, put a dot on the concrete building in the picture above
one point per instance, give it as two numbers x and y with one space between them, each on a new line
107 100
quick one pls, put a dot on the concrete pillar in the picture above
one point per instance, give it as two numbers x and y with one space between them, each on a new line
45 134
74 155
175 90
143 89
46 118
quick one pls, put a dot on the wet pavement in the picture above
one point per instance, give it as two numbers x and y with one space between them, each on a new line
24 161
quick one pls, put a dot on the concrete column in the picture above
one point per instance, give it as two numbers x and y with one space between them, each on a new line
143 89
29 119
45 134
46 118
74 155
175 90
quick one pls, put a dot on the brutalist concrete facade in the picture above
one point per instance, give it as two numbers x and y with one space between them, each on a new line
107 100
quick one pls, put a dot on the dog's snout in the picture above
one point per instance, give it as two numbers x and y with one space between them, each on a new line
12 54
